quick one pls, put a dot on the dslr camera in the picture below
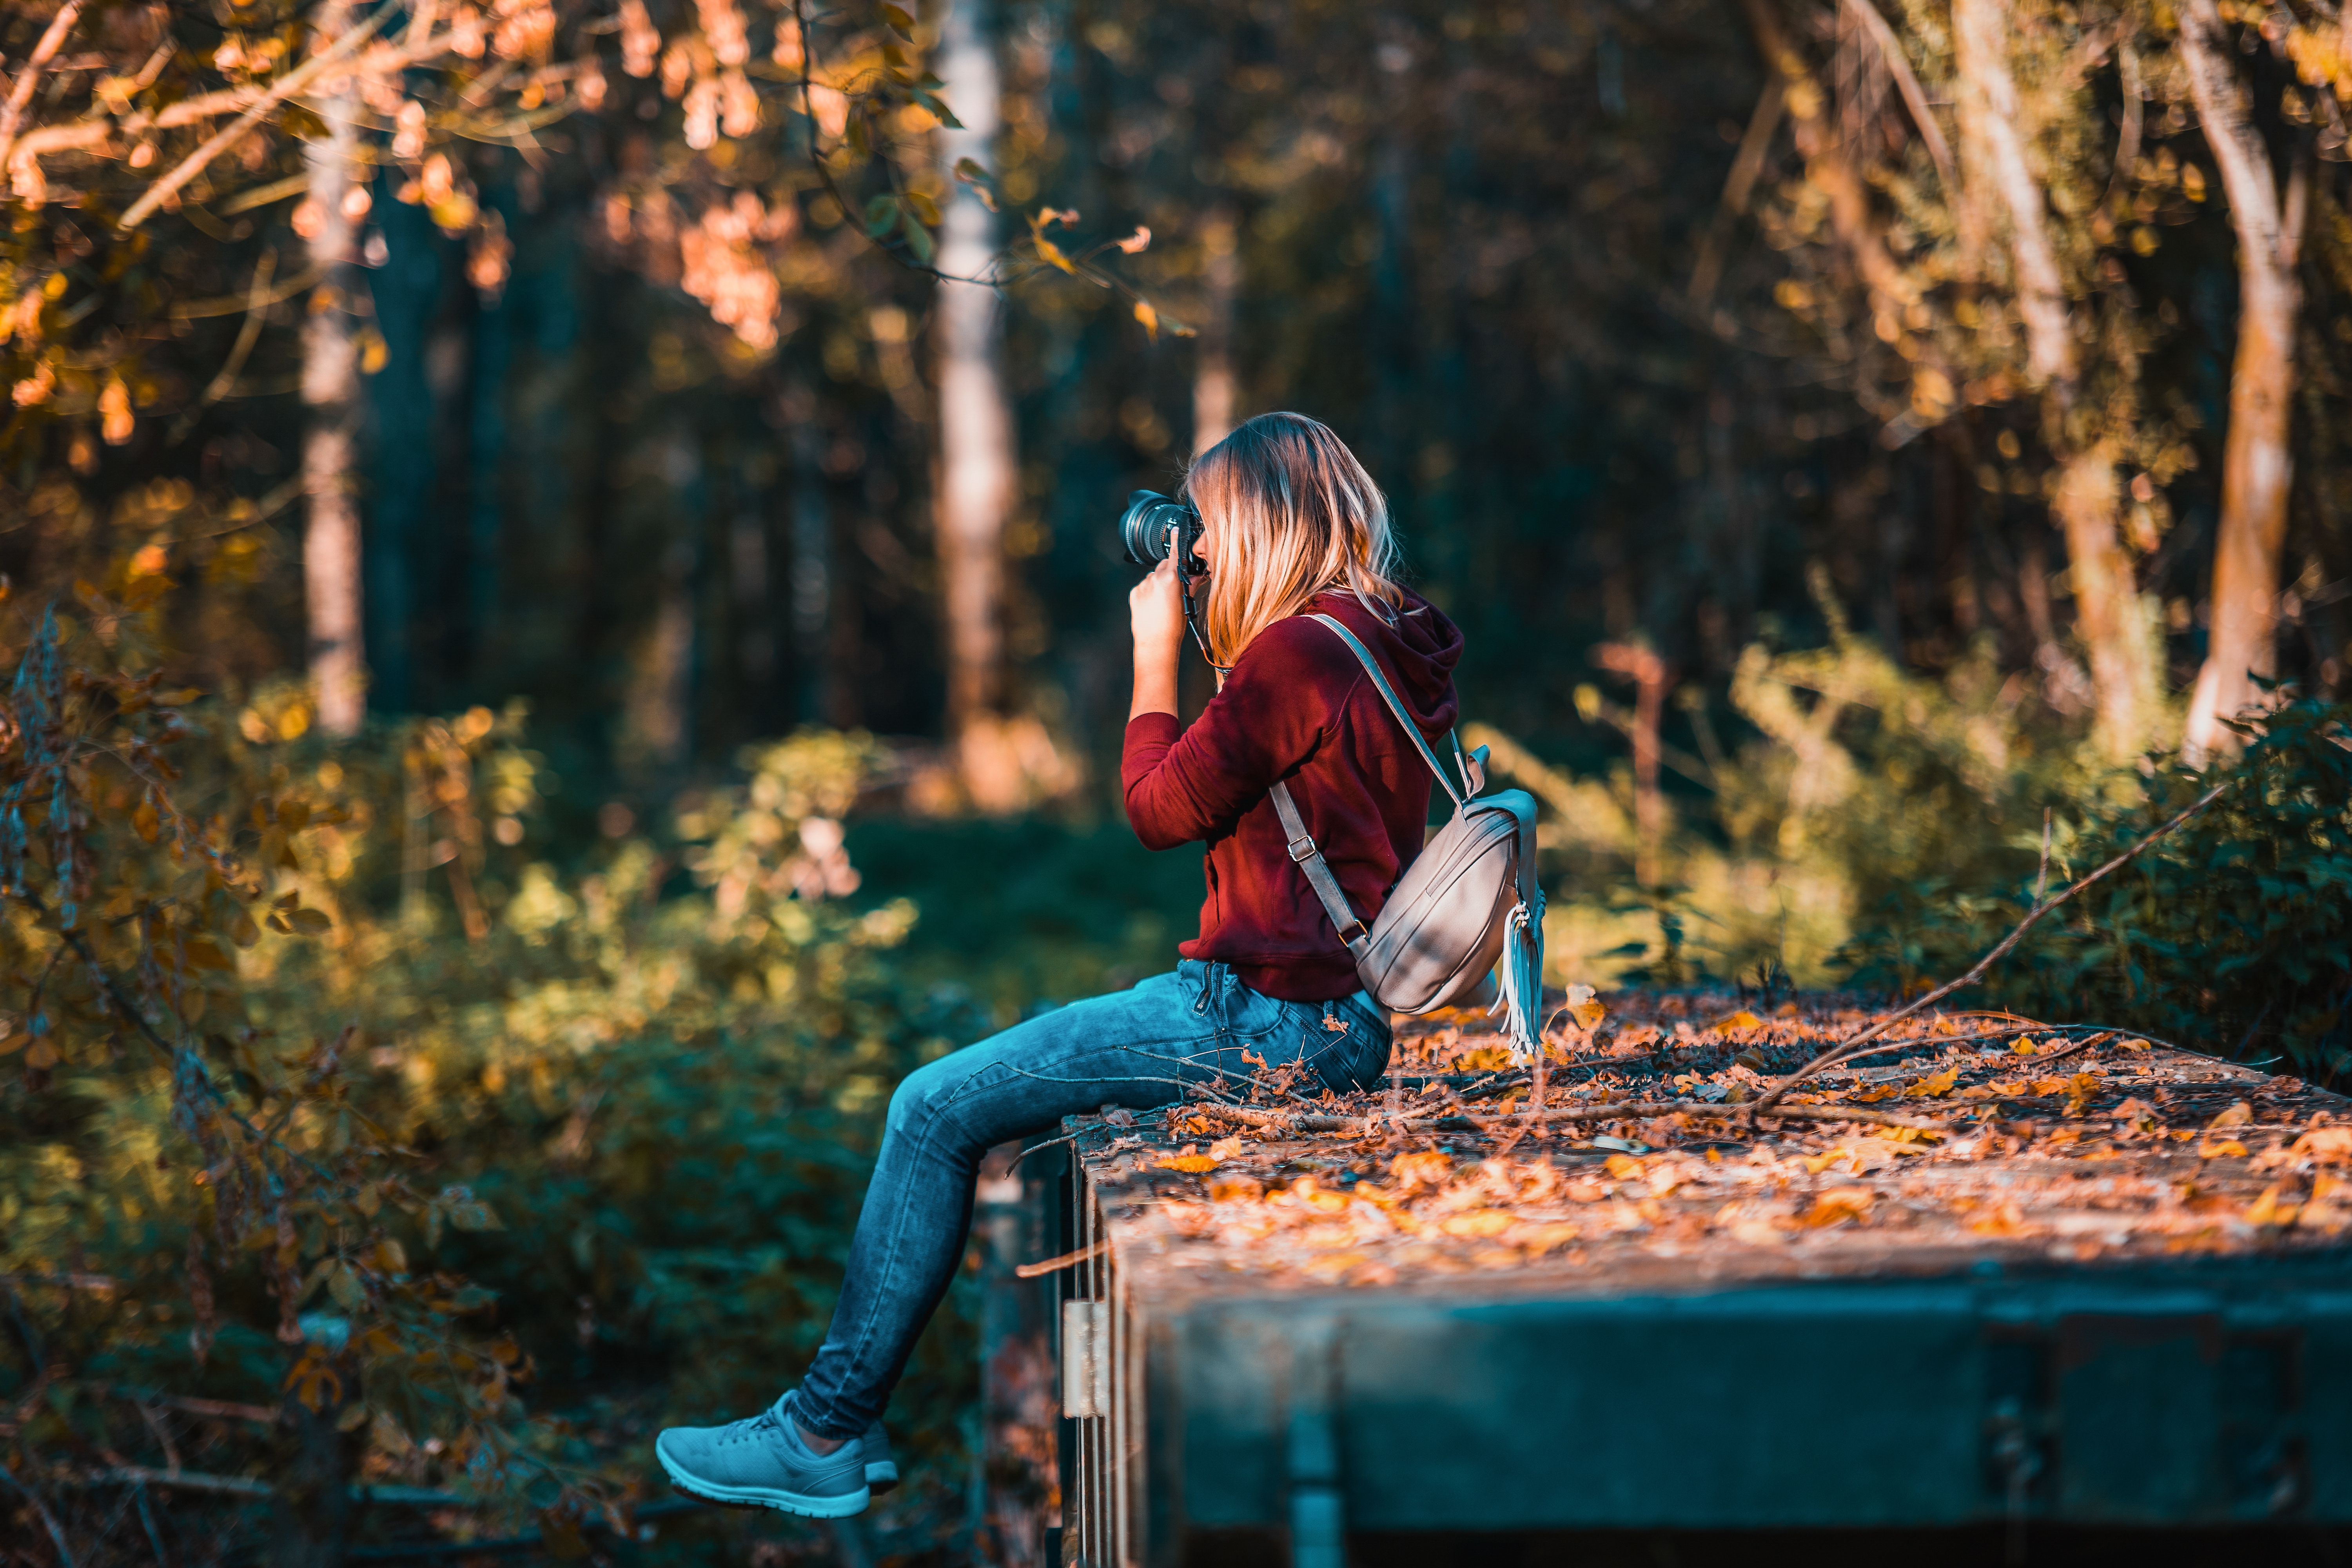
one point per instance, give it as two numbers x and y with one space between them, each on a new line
1154 527
1153 524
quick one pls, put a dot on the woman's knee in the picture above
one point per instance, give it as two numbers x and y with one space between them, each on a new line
920 1096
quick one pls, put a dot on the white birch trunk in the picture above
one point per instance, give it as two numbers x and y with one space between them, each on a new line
976 468
331 387
2257 461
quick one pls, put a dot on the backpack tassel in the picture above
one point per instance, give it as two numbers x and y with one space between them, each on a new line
1520 970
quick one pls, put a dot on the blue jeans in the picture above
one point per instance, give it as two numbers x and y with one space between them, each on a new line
1136 1048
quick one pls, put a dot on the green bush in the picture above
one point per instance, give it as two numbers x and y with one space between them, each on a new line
331 1094
2233 934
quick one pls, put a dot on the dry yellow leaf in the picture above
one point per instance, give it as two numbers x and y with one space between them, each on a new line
1625 1167
2327 1143
1584 1007
2219 1148
2273 1208
1228 1148
1427 1170
1190 1163
1935 1088
1839 1204
1743 1019
1479 1224
2006 1220
1539 1239
2238 1115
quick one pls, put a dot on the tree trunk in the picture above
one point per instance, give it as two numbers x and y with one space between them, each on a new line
2113 623
976 468
2116 622
2257 463
1212 373
331 384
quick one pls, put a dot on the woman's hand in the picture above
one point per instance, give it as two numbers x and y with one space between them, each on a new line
1155 613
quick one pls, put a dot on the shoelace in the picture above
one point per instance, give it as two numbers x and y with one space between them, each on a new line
743 1431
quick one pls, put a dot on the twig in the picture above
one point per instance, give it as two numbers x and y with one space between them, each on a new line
222 1409
13 115
248 332
1609 1111
2041 877
246 1486
1056 1264
1915 97
49 1521
2042 906
285 87
1048 1143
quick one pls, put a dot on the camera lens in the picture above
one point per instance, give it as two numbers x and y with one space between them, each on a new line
1143 526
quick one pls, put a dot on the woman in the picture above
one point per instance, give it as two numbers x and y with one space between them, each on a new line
1291 523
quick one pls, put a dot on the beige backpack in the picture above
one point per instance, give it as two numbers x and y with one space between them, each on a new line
1468 900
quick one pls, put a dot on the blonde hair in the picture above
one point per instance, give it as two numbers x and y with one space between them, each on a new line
1291 514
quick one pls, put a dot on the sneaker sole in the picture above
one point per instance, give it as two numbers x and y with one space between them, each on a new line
880 1479
841 1507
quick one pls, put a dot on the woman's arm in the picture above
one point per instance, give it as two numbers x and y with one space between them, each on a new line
1155 613
1267 718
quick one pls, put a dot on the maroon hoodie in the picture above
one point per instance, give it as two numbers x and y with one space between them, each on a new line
1299 708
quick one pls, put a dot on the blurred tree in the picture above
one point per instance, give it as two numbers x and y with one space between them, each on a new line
2267 213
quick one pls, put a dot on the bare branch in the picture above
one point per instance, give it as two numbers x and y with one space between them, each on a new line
284 88
1838 1053
13 115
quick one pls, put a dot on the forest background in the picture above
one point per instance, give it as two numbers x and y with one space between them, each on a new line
562 568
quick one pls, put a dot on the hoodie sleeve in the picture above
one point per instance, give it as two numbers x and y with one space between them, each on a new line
1270 717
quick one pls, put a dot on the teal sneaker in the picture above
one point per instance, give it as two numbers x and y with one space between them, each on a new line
759 1462
881 1465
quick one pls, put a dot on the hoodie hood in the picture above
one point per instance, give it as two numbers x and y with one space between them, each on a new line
1417 644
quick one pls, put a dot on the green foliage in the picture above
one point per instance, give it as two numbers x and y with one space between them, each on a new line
2232 935
337 1098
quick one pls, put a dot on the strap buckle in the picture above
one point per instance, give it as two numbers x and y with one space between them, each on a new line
1354 934
1299 855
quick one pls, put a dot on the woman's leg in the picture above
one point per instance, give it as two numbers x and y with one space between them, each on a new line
1136 1048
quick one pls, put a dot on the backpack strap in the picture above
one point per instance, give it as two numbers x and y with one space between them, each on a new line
1310 859
1304 851
1396 706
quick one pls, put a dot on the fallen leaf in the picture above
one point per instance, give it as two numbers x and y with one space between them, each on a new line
1623 1167
1479 1223
1839 1204
2238 1115
1539 1239
1235 1189
1584 1007
1191 1164
2329 1143
2221 1148
1228 1148
2274 1208
1934 1087
2006 1220
2026 1048
1431 1169
1743 1019
1884 1091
